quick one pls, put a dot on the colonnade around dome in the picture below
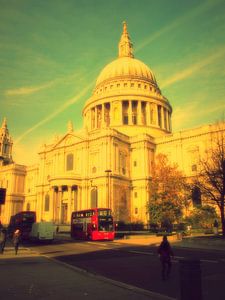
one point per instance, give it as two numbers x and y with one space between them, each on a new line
128 112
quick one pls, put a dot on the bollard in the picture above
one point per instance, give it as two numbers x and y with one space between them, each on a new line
190 279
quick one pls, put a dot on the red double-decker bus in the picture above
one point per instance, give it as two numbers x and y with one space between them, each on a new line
22 221
93 224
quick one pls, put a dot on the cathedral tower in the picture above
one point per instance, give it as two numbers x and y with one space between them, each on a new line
5 145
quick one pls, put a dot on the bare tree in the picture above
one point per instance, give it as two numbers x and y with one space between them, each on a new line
211 178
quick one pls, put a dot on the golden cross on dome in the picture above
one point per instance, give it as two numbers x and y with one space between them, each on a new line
125 45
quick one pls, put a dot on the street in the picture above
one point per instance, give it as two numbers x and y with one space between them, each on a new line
138 265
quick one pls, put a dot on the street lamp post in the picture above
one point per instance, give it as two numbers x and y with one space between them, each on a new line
108 171
95 193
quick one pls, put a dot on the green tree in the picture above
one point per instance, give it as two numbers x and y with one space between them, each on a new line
165 212
202 216
168 192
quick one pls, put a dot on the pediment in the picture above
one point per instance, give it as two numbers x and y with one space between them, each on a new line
67 140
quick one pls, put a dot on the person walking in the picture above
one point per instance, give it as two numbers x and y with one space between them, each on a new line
16 240
165 252
2 239
215 227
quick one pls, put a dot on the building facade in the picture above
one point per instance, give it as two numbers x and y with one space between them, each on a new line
108 163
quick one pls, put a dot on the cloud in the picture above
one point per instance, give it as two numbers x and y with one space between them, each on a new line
178 22
188 72
185 114
24 91
28 90
181 115
56 112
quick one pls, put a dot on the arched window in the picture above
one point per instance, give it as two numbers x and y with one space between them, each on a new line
69 162
47 202
28 207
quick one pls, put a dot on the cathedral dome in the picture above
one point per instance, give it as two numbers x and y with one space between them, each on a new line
125 68
127 98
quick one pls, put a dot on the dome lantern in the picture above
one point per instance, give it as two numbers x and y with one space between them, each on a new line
125 45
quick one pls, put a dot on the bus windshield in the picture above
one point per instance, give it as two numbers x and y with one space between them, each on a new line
105 223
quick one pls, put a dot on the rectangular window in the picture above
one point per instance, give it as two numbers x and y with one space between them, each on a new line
69 162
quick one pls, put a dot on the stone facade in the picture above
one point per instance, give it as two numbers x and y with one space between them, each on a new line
108 163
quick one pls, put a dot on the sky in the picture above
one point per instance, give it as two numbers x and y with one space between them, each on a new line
52 51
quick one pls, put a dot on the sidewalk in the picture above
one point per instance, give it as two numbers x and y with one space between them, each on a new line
207 242
200 241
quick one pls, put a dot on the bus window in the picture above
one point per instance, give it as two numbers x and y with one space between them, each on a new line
104 212
105 224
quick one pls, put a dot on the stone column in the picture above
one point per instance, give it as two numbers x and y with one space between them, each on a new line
56 205
103 116
120 113
148 114
110 113
139 113
159 114
70 203
155 114
59 202
39 206
167 120
163 117
74 195
79 204
95 117
52 192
